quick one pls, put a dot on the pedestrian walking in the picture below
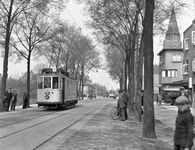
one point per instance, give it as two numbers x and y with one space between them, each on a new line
122 105
157 99
184 134
160 100
8 97
14 100
25 100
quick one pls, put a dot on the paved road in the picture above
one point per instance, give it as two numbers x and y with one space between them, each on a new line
66 129
35 128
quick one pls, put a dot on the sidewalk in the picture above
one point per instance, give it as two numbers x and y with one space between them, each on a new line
103 133
18 108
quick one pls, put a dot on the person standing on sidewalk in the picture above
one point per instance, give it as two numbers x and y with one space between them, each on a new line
25 100
14 100
122 105
8 95
184 134
157 99
160 100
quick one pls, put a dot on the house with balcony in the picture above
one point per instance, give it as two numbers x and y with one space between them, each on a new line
170 62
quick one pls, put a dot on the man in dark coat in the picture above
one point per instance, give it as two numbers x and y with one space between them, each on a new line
184 134
14 100
25 100
8 95
122 105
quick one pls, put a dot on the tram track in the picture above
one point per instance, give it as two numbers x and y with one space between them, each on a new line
39 116
42 122
52 137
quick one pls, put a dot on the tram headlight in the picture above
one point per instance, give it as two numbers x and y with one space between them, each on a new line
46 96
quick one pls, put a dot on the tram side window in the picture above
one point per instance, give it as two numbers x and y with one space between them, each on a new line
47 82
40 82
55 82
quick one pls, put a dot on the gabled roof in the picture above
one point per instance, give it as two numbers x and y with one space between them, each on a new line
193 22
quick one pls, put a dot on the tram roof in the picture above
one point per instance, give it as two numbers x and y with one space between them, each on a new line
55 74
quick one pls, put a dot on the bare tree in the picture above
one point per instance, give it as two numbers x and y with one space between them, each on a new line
9 12
72 51
116 64
31 30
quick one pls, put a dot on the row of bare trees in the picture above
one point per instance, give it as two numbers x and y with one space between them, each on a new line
32 29
126 28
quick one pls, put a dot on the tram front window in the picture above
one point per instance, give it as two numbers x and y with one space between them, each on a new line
55 82
47 82
40 82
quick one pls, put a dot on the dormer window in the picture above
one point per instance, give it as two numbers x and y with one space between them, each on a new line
186 44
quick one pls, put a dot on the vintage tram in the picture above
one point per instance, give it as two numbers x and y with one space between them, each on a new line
55 89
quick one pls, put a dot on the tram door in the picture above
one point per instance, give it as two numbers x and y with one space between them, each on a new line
63 89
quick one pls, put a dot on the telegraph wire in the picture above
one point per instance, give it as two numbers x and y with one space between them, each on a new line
72 18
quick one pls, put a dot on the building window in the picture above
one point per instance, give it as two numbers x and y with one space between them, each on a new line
185 67
171 73
193 37
163 73
176 57
168 73
47 82
40 82
186 43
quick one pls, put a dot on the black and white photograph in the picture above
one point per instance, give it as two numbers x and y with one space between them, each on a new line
97 74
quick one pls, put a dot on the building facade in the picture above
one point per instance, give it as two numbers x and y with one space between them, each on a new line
189 59
170 62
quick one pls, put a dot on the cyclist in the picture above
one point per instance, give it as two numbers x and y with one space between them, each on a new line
122 105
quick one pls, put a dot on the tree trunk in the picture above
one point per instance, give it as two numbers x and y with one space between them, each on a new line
5 69
28 80
121 82
125 74
6 56
148 119
139 78
82 79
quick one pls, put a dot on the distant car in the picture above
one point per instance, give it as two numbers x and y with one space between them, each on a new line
105 95
90 96
112 95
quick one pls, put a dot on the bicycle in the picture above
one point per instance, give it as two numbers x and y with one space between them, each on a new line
115 113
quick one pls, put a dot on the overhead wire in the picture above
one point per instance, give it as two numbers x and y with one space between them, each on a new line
72 18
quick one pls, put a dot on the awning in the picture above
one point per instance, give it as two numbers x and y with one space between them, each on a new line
172 89
181 82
